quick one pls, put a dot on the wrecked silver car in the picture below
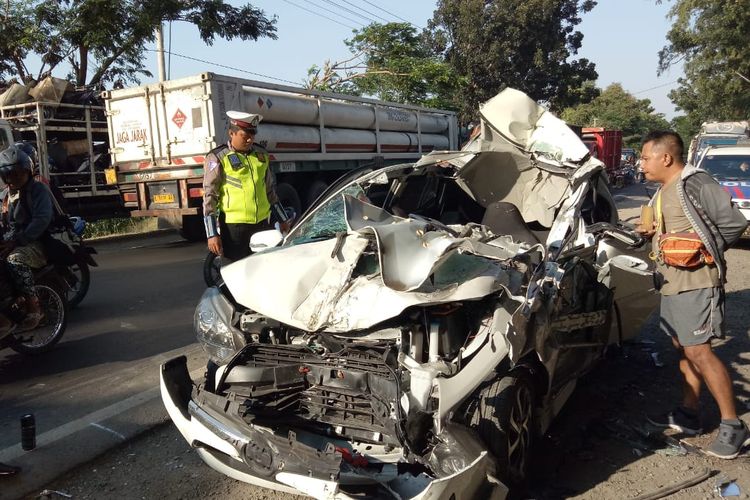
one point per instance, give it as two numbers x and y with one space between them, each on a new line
421 324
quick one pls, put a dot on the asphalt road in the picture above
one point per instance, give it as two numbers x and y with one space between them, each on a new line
99 386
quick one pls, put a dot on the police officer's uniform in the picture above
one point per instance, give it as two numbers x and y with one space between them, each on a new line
239 192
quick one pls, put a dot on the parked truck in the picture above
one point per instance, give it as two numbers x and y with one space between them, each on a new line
71 141
605 144
161 133
717 134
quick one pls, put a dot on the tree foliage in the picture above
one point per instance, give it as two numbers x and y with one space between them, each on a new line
617 109
712 39
104 41
526 45
392 62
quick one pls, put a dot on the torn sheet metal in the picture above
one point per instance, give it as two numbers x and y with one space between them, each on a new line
325 295
520 120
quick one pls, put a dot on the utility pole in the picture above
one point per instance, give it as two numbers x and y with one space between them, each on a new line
160 53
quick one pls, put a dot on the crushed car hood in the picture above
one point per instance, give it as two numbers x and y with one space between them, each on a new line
383 265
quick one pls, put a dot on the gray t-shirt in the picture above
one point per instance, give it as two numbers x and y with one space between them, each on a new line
676 279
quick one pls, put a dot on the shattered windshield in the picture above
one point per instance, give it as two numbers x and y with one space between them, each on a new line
327 220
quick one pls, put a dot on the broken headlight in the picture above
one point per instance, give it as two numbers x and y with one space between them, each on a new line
212 323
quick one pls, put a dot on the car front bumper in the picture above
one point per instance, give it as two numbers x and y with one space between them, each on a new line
221 445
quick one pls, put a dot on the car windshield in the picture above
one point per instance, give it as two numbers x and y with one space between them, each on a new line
327 220
736 167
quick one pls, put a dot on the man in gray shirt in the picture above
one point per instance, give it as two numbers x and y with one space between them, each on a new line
692 203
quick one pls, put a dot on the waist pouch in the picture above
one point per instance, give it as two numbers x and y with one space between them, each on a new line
685 250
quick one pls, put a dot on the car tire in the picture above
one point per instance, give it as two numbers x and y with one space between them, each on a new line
505 420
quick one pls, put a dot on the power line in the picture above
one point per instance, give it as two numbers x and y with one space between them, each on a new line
320 15
392 14
349 10
365 10
335 13
228 67
654 88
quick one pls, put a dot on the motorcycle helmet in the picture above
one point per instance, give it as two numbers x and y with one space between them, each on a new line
14 159
31 151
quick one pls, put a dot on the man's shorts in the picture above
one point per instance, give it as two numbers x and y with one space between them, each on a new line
693 317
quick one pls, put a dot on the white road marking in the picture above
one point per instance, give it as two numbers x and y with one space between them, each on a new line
11 453
111 431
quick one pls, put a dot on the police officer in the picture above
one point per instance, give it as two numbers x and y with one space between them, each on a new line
239 190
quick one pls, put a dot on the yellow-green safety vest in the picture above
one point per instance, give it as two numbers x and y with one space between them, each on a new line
243 197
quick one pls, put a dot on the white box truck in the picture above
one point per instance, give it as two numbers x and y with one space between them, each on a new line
160 134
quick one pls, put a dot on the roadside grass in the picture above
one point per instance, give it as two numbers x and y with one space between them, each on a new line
117 226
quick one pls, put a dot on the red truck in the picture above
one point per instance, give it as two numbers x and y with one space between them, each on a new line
604 144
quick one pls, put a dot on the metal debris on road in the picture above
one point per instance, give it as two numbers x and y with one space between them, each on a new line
726 487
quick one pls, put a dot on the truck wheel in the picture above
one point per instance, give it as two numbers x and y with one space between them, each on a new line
289 198
192 228
313 192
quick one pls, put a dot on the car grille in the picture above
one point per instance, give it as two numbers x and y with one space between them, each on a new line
348 411
349 392
370 361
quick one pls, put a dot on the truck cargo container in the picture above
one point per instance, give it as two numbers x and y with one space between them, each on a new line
72 144
604 144
161 133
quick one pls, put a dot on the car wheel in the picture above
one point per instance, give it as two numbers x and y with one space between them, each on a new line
504 419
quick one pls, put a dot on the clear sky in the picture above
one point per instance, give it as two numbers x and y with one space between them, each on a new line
622 37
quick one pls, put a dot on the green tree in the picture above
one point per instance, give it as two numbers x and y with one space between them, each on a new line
392 62
526 45
712 40
617 109
104 41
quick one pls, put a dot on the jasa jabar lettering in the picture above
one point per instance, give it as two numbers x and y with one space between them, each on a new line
134 135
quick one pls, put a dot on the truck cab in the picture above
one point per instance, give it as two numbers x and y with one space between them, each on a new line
715 134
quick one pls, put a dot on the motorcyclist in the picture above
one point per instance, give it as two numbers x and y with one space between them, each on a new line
27 213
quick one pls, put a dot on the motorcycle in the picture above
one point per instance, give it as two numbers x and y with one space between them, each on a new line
623 176
77 274
50 288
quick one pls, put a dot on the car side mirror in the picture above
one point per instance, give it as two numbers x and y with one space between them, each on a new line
264 240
